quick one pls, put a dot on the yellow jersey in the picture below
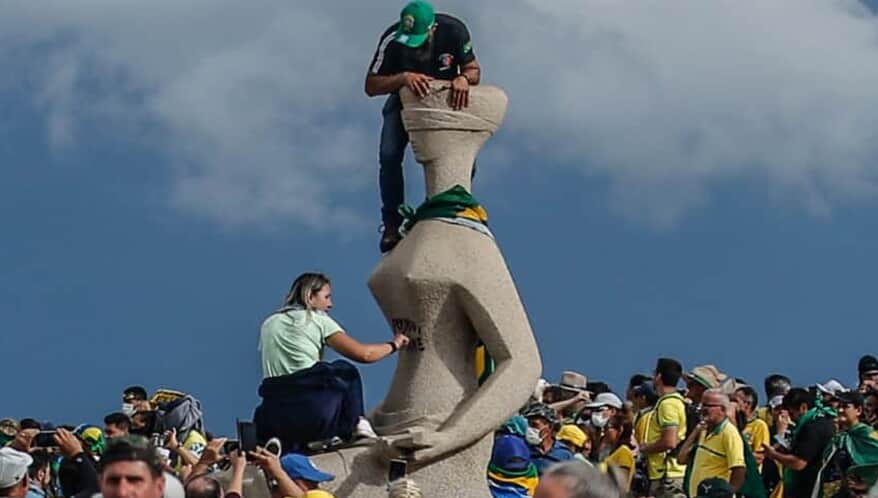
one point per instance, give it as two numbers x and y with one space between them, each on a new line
640 425
757 435
670 411
718 452
623 457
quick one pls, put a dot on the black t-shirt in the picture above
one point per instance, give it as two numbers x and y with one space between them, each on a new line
440 57
809 444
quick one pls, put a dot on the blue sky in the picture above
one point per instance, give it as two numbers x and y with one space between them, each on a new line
158 194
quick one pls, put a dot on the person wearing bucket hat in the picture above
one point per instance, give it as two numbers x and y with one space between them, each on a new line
700 379
306 476
542 428
423 46
569 396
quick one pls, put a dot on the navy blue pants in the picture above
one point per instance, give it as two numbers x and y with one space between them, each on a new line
315 404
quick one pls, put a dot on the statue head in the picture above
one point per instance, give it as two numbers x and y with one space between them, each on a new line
436 130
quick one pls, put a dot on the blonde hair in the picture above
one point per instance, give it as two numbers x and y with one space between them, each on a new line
304 287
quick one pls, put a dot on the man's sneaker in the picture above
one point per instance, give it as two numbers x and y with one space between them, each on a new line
364 430
389 237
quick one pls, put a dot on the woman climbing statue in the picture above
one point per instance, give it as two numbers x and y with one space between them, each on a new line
305 399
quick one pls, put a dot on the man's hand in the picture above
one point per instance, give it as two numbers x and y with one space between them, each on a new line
68 444
171 442
239 461
24 439
267 460
459 92
418 83
774 452
212 452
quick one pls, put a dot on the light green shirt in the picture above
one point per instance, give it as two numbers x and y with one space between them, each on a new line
293 340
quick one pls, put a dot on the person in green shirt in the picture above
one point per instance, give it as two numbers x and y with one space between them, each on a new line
305 399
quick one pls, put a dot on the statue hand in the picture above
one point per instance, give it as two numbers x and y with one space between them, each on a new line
425 445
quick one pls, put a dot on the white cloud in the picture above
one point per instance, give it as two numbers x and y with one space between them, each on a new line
665 99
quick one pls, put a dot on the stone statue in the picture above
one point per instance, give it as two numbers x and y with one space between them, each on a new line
447 287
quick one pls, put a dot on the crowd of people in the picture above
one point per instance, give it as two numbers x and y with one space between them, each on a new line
672 434
712 438
153 447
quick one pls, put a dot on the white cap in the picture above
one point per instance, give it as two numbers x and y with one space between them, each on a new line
606 399
13 466
832 387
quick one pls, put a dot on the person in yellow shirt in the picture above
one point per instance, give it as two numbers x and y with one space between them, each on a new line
756 432
665 430
644 398
575 439
616 449
775 385
715 448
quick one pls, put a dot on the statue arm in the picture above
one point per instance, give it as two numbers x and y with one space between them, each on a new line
501 323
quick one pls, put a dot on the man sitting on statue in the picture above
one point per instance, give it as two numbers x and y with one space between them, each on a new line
421 47
304 399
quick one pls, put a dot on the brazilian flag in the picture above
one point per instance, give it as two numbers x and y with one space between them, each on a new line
484 363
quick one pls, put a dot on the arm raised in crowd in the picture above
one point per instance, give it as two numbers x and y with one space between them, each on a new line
210 457
181 451
353 349
271 465
71 448
239 464
559 406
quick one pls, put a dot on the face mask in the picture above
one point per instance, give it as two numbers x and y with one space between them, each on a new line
532 436
599 419
128 409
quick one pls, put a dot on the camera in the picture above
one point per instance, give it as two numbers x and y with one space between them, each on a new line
247 437
45 439
397 470
231 446
157 440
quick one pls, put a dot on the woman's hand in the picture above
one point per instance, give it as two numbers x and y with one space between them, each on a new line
401 340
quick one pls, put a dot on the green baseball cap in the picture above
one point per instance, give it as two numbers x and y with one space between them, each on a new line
415 22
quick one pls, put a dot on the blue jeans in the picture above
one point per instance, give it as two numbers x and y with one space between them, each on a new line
391 153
